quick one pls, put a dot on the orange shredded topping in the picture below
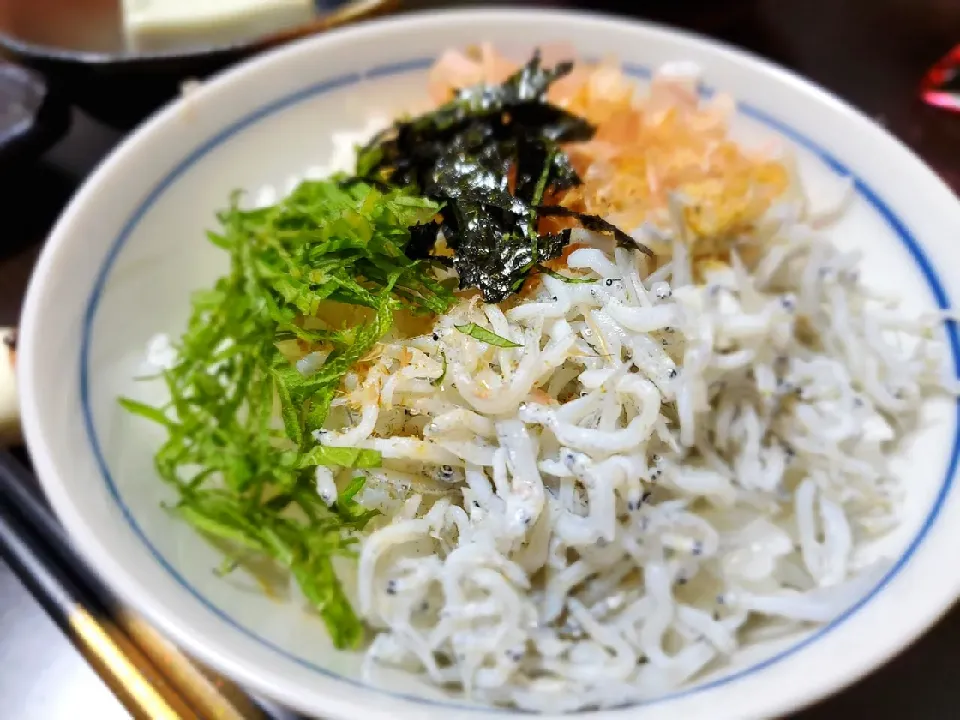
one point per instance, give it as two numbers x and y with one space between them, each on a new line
648 147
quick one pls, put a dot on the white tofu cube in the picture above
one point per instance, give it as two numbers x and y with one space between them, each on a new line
156 25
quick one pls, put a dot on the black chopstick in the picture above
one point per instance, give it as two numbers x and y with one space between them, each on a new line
149 675
15 481
35 549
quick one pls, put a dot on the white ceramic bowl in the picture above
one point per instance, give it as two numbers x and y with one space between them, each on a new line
122 260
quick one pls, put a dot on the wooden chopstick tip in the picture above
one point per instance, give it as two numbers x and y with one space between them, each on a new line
10 433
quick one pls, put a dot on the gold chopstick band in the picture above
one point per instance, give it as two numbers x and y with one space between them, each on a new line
152 678
128 674
213 696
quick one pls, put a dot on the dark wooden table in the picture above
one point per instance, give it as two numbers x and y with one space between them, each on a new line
870 52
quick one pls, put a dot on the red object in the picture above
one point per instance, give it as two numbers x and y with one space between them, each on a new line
941 85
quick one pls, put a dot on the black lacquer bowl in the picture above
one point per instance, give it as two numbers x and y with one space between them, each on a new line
76 49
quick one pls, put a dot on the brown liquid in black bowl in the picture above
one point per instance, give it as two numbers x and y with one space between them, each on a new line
90 26
78 45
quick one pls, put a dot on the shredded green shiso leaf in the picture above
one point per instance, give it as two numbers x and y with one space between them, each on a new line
565 278
241 477
438 382
483 335
367 241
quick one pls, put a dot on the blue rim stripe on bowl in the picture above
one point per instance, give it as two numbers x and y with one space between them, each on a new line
416 64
